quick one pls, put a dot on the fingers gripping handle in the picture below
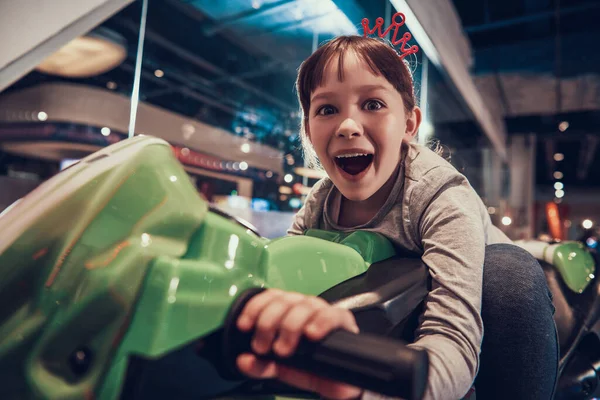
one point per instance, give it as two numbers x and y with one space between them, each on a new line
371 362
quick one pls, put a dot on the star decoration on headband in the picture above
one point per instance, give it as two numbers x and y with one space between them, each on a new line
404 51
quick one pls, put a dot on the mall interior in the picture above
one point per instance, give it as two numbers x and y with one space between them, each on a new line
509 93
509 90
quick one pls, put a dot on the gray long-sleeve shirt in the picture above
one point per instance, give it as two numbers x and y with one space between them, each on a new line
432 210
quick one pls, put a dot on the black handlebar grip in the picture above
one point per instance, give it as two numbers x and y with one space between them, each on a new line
371 362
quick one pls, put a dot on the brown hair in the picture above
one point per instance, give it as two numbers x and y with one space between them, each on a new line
380 56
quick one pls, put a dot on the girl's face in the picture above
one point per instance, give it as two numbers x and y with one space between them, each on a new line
356 127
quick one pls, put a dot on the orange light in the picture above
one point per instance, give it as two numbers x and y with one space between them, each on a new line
554 224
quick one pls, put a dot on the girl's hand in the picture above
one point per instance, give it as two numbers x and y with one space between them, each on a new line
280 319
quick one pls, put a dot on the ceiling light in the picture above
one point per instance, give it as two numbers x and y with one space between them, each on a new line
587 224
558 175
506 221
42 116
558 186
559 194
299 14
86 56
159 73
105 131
245 148
243 165
288 178
559 156
111 85
563 126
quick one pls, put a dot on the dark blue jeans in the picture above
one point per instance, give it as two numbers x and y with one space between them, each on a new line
519 354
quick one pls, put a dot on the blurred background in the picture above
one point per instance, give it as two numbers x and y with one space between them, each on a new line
510 89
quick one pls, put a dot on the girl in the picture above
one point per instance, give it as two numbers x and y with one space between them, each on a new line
359 117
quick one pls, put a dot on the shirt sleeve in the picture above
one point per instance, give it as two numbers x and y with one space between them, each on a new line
453 241
298 224
307 216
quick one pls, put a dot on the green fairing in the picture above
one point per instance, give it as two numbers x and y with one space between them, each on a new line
373 247
119 255
575 265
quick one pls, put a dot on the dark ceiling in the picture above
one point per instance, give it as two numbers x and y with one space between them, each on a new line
232 64
539 41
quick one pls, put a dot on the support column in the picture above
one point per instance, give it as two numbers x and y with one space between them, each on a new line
492 177
522 185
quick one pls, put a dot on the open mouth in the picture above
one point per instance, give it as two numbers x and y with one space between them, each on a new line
354 164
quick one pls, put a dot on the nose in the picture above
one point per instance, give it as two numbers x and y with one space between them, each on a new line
349 128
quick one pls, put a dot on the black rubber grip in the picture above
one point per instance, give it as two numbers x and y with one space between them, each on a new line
374 363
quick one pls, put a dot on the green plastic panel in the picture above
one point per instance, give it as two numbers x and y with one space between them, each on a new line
73 256
372 247
575 264
118 256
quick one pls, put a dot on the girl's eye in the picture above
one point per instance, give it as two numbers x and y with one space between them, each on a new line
373 105
326 110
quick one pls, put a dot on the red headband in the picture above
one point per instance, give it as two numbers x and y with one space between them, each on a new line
404 51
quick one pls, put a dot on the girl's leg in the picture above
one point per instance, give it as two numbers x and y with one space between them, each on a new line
519 355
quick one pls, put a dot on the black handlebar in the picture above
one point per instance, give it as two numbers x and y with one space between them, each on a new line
374 363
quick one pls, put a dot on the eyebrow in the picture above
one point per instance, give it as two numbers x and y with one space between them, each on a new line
365 88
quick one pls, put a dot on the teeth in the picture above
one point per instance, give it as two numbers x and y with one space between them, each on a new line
351 155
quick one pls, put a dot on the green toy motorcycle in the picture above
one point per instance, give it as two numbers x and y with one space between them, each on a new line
117 280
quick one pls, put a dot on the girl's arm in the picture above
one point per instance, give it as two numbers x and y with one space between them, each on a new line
298 225
445 211
308 216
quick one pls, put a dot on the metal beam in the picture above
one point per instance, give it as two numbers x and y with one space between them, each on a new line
502 92
193 90
528 18
580 123
537 54
157 92
567 137
252 46
204 90
549 146
557 59
191 81
234 19
182 89
188 82
294 25
586 155
271 66
194 59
